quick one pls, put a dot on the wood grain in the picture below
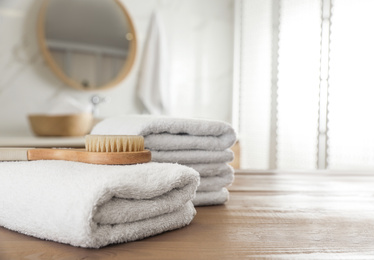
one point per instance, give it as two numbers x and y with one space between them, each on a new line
81 155
269 216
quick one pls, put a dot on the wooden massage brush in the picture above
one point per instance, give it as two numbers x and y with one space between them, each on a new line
100 149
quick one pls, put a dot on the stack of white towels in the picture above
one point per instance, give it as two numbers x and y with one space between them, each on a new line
198 143
89 205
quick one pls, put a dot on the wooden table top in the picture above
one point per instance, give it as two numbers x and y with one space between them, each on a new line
269 216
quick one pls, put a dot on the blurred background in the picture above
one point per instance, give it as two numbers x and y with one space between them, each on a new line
293 77
198 38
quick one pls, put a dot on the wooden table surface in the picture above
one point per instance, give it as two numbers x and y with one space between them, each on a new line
269 216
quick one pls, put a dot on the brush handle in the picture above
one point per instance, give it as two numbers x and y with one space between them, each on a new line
76 155
13 154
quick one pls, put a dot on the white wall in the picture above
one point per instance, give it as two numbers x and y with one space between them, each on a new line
200 34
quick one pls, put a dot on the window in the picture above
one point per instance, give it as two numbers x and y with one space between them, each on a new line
304 87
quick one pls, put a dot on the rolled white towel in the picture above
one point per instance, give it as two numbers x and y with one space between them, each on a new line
95 205
171 133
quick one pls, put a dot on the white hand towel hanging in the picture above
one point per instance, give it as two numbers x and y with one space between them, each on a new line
152 88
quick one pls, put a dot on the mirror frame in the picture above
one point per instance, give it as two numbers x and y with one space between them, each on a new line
129 63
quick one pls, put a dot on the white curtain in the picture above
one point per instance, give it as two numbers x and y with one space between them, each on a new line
305 86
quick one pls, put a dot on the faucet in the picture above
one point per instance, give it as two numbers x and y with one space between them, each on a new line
95 101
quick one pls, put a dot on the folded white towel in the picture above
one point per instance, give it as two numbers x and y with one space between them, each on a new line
169 133
211 169
215 183
95 205
193 156
209 198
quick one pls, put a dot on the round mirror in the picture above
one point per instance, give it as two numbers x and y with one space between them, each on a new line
89 44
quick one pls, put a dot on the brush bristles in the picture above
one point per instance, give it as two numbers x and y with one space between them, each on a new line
114 143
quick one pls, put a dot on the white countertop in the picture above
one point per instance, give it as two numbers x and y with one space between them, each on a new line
33 141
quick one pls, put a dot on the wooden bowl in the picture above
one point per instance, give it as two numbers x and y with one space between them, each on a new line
61 125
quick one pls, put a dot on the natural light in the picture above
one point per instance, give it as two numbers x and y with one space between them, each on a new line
306 91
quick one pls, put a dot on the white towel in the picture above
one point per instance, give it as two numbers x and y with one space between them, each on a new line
170 133
152 89
215 183
212 169
209 198
95 205
193 156
214 177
